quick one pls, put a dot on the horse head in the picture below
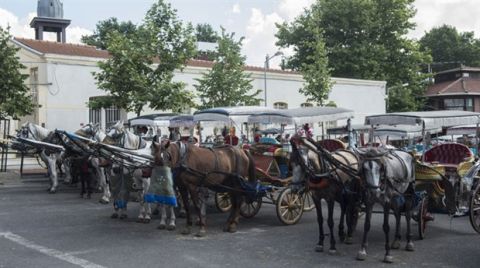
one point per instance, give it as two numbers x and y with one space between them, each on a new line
116 131
164 153
304 160
372 166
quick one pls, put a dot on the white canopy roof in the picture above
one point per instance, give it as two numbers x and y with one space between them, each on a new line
403 131
159 120
182 121
301 115
237 114
431 119
461 130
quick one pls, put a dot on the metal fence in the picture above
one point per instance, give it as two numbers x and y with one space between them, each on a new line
4 132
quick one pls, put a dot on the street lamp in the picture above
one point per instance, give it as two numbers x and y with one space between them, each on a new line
266 66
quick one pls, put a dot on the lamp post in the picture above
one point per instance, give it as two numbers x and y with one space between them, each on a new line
266 66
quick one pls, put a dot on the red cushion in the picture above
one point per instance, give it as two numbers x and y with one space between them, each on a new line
448 153
332 145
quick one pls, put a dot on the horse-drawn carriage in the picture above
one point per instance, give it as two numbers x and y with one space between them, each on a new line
446 172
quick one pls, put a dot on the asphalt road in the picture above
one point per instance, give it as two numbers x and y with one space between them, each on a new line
38 229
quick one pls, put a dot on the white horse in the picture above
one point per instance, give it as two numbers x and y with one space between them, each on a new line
128 140
95 133
38 133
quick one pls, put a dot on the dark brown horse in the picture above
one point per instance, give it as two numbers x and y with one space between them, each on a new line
313 166
226 169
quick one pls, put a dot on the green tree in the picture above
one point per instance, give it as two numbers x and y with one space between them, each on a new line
142 64
205 33
315 69
226 84
15 99
99 37
449 47
364 39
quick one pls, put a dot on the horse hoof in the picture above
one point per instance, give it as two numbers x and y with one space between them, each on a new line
395 244
361 255
348 240
319 248
186 231
171 227
332 251
123 216
114 216
232 229
201 233
140 220
162 227
388 259
103 201
409 247
52 191
146 221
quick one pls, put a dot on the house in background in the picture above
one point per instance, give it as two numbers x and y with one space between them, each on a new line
455 89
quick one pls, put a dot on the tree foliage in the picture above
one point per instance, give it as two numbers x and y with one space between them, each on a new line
226 84
315 70
205 33
364 39
449 48
104 28
15 99
142 64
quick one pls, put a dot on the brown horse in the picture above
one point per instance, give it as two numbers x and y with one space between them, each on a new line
225 169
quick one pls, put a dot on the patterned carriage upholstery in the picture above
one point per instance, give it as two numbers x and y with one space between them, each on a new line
448 153
332 145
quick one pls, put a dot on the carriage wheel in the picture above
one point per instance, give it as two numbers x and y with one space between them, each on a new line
423 217
223 202
308 204
289 206
475 209
250 209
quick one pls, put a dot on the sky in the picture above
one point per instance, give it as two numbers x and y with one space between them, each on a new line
253 19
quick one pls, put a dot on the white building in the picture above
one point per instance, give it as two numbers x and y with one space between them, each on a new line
62 82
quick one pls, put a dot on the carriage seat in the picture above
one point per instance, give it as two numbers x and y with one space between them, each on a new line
332 145
449 154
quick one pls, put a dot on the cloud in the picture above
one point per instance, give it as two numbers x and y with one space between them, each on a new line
20 27
236 8
459 13
261 29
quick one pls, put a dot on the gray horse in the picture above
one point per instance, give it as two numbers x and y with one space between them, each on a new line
121 178
38 133
388 177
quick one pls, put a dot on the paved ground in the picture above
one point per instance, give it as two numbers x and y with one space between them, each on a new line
38 229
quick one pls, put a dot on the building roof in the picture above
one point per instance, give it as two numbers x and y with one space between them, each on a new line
459 69
68 49
461 86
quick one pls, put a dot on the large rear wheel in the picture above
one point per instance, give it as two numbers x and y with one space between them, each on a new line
308 204
423 217
289 206
223 202
475 209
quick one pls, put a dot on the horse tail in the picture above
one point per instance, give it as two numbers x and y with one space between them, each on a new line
251 167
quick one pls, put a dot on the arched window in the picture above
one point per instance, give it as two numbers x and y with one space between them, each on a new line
306 104
280 105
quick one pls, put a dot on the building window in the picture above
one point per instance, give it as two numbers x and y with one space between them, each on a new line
94 116
306 104
280 105
462 104
112 115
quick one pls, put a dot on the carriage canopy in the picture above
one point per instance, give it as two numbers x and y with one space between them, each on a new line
159 120
238 114
427 119
299 116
